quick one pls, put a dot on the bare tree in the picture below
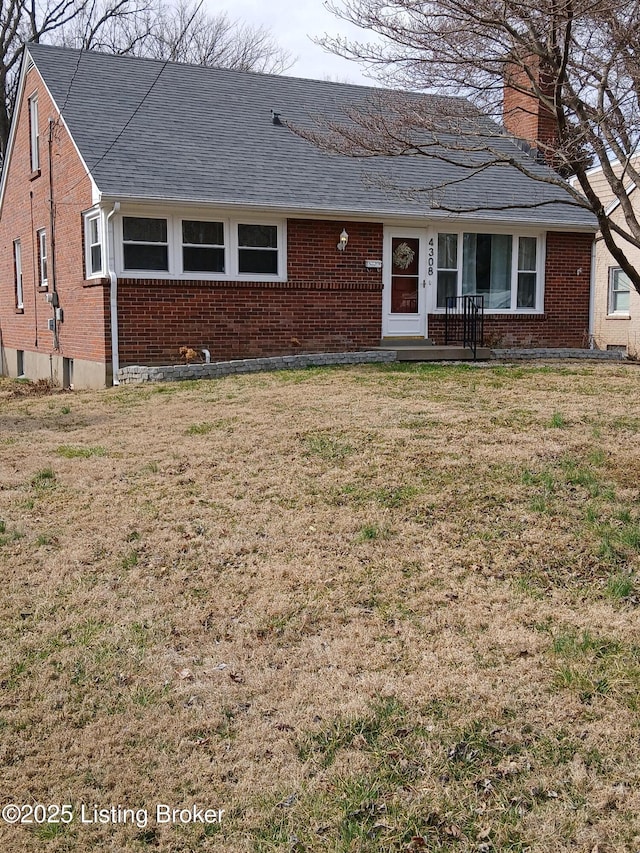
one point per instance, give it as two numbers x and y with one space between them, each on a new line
577 62
179 31
29 20
184 32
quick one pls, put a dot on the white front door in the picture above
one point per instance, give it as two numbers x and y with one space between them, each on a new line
404 302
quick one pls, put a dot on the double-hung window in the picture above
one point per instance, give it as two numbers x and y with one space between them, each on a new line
43 280
203 247
34 133
17 269
527 272
619 291
447 268
93 245
502 268
145 243
258 249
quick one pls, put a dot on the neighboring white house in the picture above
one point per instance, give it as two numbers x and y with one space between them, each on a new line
616 303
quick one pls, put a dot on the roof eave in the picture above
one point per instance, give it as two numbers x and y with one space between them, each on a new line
26 57
352 213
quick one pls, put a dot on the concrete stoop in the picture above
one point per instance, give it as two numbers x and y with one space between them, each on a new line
421 349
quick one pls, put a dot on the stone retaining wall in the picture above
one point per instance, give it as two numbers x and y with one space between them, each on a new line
515 353
177 372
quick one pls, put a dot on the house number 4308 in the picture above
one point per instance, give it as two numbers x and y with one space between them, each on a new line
430 256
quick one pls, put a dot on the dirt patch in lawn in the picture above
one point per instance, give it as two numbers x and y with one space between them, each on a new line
367 609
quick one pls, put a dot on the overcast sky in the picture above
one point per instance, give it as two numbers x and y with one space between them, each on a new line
292 23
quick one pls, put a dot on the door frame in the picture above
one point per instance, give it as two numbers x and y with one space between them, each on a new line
406 325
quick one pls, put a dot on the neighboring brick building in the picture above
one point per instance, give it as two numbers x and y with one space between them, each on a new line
616 303
147 206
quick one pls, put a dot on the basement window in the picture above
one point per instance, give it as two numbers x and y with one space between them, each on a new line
145 243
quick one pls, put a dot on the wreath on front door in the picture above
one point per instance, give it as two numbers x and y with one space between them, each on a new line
403 256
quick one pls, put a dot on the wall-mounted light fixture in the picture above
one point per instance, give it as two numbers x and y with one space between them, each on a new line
344 239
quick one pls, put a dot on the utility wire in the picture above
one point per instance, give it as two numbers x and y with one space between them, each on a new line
118 136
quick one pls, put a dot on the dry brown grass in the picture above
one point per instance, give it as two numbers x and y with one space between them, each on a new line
368 609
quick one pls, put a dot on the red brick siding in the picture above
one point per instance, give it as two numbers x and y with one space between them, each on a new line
565 322
25 211
329 302
523 114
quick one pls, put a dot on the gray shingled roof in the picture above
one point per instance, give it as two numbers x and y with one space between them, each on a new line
206 135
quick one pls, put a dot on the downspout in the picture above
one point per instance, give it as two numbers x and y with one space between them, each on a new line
113 300
592 296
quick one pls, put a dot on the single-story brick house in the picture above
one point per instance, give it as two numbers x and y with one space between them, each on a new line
146 206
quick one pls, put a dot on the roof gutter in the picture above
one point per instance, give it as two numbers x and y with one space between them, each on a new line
113 299
388 217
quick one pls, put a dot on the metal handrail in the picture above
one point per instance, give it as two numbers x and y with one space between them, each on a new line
464 321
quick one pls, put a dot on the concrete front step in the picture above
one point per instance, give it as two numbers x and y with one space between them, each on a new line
404 343
419 352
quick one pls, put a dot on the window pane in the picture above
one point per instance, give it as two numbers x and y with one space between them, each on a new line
96 259
621 280
93 230
34 134
205 233
486 268
196 259
144 257
621 301
260 236
258 261
447 287
447 252
526 290
144 230
527 253
404 294
405 256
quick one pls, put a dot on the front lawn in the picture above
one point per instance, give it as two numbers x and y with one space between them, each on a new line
380 608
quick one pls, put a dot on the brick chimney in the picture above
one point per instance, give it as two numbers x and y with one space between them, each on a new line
523 114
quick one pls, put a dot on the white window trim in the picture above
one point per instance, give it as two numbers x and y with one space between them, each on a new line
89 217
43 280
515 236
224 246
17 261
34 133
167 243
616 315
174 237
